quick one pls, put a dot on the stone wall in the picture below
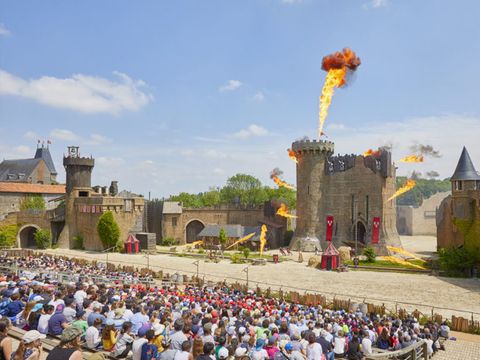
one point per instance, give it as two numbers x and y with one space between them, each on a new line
11 202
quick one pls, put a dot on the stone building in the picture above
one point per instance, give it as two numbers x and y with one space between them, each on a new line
184 224
458 218
352 189
84 205
14 194
420 220
38 170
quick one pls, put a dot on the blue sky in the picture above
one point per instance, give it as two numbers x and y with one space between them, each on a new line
174 96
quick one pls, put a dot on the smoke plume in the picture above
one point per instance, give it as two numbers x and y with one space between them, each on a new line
276 173
432 174
427 150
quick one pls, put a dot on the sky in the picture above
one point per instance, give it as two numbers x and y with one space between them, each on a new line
172 96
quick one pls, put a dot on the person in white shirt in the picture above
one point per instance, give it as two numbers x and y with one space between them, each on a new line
138 344
80 294
366 343
429 341
314 349
92 335
339 344
43 320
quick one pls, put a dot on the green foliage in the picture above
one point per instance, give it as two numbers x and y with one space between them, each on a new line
43 239
456 261
78 242
246 252
33 202
108 230
168 241
470 229
236 259
120 246
369 253
242 188
201 251
423 190
8 235
222 237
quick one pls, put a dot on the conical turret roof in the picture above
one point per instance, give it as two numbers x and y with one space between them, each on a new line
44 153
465 169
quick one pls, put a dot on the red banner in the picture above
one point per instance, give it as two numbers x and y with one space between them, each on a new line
329 227
376 230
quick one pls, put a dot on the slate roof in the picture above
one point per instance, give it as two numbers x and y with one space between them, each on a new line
16 167
233 231
13 187
171 207
465 169
44 153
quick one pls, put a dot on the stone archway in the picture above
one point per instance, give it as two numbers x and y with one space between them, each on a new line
192 229
25 236
361 232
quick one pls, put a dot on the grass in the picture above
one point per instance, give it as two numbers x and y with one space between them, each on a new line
390 264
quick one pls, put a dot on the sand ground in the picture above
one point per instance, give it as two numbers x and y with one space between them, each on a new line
447 296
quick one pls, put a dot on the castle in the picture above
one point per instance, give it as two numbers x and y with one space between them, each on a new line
458 218
343 198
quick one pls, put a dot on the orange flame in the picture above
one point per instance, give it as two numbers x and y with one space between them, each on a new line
409 185
412 159
263 238
292 155
245 238
371 152
195 243
280 182
283 211
335 78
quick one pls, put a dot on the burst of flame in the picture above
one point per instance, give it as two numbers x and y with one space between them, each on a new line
242 240
402 262
404 252
409 185
263 238
195 243
335 78
371 152
280 182
292 155
283 211
412 159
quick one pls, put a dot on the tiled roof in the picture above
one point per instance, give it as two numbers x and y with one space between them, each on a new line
16 167
12 187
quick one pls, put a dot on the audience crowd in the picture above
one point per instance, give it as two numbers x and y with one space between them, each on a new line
144 322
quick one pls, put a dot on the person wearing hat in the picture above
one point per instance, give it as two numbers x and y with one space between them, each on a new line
30 348
290 353
69 347
159 329
258 352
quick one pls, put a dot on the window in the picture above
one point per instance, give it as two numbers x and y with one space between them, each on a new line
458 185
83 193
353 208
128 205
174 221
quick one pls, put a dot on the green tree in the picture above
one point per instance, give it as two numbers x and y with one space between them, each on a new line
187 200
455 261
246 189
222 237
246 252
210 198
33 202
423 190
108 230
369 253
43 239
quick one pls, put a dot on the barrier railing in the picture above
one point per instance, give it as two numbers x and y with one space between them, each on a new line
416 351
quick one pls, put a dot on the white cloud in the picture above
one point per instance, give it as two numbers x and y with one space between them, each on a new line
214 154
82 93
252 130
22 150
4 31
259 96
97 139
375 4
30 135
63 134
231 85
218 171
291 1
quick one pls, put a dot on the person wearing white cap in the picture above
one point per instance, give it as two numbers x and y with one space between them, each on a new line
30 348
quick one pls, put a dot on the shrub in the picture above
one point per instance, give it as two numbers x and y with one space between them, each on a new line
369 253
456 261
8 235
236 259
222 237
108 230
168 241
201 251
33 202
246 252
43 239
120 246
78 242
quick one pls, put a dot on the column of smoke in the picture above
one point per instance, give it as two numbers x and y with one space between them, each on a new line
275 176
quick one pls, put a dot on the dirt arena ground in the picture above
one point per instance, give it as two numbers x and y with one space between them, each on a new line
405 290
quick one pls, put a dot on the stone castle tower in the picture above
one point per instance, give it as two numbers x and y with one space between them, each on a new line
352 189
78 169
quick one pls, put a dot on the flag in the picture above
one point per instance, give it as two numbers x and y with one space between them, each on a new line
376 230
329 228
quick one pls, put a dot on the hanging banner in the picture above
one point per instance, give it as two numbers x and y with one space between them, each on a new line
376 230
329 227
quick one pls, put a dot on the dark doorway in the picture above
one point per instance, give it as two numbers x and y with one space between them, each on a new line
27 238
329 263
193 229
361 232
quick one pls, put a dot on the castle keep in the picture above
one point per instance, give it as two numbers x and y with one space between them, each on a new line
349 191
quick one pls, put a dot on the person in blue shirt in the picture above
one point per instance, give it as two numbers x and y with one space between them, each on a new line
15 306
149 349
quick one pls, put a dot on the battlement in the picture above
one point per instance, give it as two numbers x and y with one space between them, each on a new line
313 146
377 163
78 161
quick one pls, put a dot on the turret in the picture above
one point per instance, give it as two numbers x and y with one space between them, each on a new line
465 176
78 169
